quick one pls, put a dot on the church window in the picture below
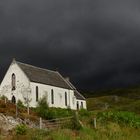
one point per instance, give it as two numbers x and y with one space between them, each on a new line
81 105
13 100
13 81
37 93
77 105
66 102
52 96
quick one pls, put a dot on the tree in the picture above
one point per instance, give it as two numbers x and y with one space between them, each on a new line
26 93
4 90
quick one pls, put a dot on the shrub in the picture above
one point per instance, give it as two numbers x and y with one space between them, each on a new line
75 123
84 113
51 113
20 104
121 117
21 129
43 109
3 97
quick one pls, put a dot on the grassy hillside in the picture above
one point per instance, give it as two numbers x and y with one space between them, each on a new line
126 126
125 99
130 92
110 103
111 131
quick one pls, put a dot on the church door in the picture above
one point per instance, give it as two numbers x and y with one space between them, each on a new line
77 105
13 100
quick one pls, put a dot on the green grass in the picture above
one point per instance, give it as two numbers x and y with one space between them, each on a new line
111 131
125 99
123 103
109 127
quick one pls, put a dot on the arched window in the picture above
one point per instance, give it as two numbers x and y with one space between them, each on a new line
37 93
13 100
66 102
52 96
77 105
13 81
82 105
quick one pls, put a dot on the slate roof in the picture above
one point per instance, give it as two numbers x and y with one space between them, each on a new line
44 76
48 77
78 95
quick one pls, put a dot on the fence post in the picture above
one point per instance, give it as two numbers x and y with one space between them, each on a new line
40 123
95 123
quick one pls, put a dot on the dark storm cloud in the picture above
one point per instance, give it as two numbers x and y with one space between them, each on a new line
95 42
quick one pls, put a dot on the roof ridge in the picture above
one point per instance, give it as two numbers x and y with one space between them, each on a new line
79 93
64 79
57 81
36 67
69 82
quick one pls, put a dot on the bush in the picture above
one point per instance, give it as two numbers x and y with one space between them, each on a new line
4 97
75 123
20 104
84 113
21 129
121 117
43 109
51 113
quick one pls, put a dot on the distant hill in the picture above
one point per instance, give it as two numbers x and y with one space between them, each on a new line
132 92
125 99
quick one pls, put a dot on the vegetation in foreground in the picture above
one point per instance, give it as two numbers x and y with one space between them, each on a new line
118 118
126 126
109 132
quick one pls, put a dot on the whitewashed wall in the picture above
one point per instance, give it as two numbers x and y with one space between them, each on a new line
22 82
59 95
81 101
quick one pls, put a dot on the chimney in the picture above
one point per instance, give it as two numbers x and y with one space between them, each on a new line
14 60
67 79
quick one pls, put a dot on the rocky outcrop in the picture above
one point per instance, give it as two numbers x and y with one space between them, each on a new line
8 123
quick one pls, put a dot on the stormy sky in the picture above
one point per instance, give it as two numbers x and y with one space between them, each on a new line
94 42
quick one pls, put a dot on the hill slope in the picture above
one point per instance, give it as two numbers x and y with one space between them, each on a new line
127 99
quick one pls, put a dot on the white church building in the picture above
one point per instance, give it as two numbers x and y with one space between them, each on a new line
25 82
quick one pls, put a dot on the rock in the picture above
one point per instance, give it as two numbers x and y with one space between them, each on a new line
115 98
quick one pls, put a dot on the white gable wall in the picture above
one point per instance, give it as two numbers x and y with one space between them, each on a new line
21 82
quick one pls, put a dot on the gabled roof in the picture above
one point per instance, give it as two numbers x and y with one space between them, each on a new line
44 76
77 94
48 77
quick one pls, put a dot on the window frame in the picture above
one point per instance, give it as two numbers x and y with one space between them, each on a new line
37 95
82 105
13 82
66 99
52 96
77 104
